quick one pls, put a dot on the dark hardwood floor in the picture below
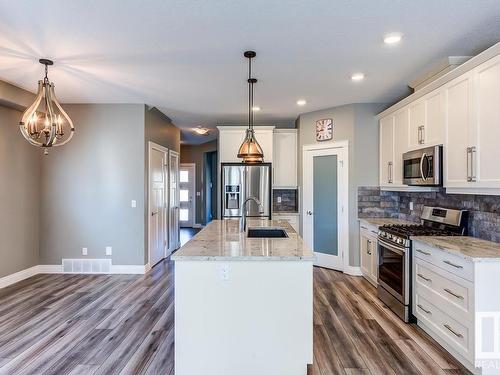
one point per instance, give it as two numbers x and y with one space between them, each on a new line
123 324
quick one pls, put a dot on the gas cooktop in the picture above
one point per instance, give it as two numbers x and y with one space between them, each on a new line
407 230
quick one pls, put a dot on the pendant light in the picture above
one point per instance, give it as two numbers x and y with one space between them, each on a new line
250 150
45 123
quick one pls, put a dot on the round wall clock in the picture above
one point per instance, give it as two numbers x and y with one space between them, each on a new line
324 129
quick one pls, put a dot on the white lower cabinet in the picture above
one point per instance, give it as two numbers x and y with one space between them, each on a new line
368 244
451 294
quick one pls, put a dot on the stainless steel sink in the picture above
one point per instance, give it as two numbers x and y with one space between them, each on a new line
266 233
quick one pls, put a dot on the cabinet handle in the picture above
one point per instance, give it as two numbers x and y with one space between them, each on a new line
422 132
452 264
368 242
453 294
419 135
424 310
472 171
468 165
389 165
447 326
423 277
423 252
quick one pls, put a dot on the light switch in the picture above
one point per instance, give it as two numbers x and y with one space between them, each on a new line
133 203
411 206
109 250
84 251
279 199
224 272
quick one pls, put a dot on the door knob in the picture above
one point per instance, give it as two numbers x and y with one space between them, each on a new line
309 212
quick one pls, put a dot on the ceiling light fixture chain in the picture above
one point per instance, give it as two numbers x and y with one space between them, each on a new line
45 123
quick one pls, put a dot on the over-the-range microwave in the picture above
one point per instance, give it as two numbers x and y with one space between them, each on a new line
423 167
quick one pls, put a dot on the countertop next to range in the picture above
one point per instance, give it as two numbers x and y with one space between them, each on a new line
469 248
380 221
223 240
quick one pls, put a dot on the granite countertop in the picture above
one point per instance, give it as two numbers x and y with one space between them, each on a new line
222 240
379 221
469 248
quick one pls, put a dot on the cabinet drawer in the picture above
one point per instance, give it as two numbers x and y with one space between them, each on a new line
452 294
457 335
368 230
449 262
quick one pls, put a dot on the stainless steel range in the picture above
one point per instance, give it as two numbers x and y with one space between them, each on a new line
395 259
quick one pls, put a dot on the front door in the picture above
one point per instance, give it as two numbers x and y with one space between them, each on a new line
187 187
325 204
157 203
174 234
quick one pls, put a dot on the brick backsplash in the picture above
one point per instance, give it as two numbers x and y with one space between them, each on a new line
484 210
289 200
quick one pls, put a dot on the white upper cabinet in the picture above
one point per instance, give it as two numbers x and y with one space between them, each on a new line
231 137
401 121
417 124
486 156
386 151
426 126
459 132
285 158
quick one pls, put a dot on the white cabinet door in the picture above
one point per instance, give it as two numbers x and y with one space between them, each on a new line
416 128
229 144
487 115
231 137
459 131
433 132
366 259
373 247
285 158
386 150
401 119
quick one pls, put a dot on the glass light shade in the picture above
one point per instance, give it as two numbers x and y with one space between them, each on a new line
250 150
45 123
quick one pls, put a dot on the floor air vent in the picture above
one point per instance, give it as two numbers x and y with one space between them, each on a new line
86 265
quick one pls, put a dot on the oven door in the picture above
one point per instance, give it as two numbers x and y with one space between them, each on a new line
393 270
422 167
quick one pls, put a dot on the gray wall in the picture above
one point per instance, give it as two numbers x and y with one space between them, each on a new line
194 154
355 123
19 196
158 128
87 187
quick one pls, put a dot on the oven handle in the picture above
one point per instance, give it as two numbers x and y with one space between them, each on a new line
392 247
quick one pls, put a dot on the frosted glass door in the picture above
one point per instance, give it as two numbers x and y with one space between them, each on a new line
325 220
325 207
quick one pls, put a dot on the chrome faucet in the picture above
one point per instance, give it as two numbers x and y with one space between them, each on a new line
243 222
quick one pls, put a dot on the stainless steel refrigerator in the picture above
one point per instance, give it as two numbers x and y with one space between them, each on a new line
240 181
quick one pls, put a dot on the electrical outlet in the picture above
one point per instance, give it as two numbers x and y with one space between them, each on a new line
84 251
411 206
109 250
279 199
133 203
224 272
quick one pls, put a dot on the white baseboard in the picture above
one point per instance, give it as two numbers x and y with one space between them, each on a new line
57 268
18 276
354 271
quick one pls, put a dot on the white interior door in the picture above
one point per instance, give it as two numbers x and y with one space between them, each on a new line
325 211
157 203
187 186
174 242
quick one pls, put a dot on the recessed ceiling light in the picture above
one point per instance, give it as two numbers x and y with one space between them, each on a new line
301 102
358 77
255 108
393 38
201 130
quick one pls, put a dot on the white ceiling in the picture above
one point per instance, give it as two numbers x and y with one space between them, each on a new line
185 56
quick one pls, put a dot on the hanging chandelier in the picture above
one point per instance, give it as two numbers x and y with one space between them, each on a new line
45 123
250 150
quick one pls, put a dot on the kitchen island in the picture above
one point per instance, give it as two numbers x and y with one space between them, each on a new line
243 305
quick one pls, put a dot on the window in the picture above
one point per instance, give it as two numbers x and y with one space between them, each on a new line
184 176
184 195
184 214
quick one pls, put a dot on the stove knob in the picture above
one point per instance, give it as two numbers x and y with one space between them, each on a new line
400 241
